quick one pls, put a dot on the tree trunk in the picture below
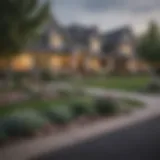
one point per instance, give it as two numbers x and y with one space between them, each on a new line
9 75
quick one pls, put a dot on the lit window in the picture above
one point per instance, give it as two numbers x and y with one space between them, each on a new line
125 49
22 62
56 40
95 45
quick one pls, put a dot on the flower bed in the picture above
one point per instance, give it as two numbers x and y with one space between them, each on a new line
40 118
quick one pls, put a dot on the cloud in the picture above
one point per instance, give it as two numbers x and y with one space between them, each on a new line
107 14
128 5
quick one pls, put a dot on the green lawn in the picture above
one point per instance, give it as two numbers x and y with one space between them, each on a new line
40 105
117 82
33 104
125 83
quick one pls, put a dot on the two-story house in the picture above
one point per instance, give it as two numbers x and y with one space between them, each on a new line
87 46
79 47
119 47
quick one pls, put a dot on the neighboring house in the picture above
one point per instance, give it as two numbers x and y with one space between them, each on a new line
119 42
119 45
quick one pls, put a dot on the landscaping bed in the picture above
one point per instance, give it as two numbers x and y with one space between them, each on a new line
38 117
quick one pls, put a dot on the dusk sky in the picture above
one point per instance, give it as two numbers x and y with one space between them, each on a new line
107 14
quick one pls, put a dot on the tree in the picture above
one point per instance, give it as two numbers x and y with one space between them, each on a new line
149 47
21 21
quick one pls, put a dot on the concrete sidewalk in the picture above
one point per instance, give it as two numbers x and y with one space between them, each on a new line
30 148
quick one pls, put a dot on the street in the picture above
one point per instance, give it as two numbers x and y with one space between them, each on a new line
137 142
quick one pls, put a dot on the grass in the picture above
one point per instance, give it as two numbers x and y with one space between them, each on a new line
132 83
40 105
33 104
117 82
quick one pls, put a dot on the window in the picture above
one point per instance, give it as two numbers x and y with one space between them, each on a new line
95 45
125 49
56 40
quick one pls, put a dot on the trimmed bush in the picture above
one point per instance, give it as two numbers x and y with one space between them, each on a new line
59 114
153 88
105 106
22 123
80 107
3 135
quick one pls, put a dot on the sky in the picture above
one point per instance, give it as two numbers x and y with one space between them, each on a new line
107 14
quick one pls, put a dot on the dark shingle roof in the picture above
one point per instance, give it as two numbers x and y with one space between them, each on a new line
80 35
112 39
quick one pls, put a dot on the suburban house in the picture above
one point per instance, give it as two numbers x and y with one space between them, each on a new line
79 48
119 47
86 44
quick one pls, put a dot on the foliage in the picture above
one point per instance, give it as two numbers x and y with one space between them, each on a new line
21 22
22 123
152 88
149 44
59 114
105 105
3 135
80 107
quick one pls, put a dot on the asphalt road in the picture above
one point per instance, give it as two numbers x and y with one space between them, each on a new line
137 142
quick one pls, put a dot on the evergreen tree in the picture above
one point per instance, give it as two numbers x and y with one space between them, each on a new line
149 48
20 22
149 44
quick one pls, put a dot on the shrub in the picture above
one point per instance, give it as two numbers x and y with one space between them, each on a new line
80 107
3 135
23 123
59 114
104 106
153 88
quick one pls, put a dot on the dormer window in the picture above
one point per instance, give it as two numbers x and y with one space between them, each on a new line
95 45
56 40
125 50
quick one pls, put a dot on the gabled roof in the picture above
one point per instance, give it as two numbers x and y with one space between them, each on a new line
113 38
80 35
43 44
